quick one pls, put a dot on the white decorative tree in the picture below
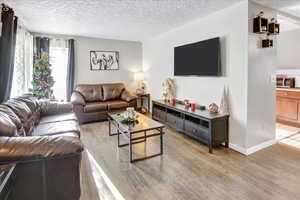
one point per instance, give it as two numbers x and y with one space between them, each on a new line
169 89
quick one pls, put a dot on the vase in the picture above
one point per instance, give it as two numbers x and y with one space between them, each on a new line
224 106
213 108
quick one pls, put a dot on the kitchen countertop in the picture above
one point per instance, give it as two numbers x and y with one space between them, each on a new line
288 89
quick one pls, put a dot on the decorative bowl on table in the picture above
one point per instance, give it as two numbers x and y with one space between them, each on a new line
129 116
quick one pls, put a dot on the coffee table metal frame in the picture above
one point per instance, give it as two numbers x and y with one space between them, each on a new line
135 140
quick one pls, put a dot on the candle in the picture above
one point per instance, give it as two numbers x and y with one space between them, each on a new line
193 106
173 101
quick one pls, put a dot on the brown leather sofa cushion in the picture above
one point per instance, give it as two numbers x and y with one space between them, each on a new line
116 104
27 117
95 107
31 148
34 106
30 102
58 118
90 92
112 91
16 120
7 127
56 128
20 108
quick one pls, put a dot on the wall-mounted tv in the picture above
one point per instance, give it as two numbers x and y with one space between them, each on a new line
198 59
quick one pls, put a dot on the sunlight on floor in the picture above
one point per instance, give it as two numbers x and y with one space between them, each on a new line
98 174
293 140
288 135
283 131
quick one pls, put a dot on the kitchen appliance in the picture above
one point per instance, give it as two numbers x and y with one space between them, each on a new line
285 82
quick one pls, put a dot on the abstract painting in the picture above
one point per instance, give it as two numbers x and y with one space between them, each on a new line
104 60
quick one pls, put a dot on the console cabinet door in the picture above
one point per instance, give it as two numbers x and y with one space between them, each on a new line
159 114
175 121
196 131
287 108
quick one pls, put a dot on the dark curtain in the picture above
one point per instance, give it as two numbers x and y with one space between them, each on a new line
41 45
71 69
7 51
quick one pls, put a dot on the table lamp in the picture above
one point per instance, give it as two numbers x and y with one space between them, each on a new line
139 77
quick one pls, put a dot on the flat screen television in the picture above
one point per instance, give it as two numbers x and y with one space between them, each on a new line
198 59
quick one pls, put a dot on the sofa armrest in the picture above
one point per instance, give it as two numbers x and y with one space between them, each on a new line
128 96
77 99
37 147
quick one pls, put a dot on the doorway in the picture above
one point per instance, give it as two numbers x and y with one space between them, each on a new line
288 82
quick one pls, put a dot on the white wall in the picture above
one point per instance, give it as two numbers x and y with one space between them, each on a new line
231 25
130 61
289 49
262 65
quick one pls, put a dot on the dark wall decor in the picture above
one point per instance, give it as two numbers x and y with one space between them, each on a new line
261 25
267 43
274 27
104 60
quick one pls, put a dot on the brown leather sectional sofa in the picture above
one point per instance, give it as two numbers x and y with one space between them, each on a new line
93 102
43 138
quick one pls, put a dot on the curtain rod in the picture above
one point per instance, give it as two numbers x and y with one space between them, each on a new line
50 36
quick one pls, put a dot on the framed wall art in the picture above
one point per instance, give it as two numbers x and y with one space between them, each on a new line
104 60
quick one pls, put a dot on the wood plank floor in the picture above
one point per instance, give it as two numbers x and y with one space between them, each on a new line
187 170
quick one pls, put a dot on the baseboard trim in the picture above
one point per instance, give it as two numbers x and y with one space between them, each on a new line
261 146
238 148
253 149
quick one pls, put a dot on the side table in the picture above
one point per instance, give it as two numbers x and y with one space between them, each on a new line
7 179
142 98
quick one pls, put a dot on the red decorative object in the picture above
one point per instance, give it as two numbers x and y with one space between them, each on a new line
193 106
173 101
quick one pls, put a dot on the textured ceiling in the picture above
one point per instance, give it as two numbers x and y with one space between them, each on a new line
116 19
291 7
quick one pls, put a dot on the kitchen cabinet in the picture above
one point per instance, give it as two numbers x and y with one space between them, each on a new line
288 106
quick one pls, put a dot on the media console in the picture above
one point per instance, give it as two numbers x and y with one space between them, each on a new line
210 129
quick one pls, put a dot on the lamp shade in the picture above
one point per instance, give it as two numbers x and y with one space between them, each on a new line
139 76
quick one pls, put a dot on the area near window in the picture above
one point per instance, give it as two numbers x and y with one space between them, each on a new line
59 60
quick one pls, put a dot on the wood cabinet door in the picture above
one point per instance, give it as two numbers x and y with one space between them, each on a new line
287 108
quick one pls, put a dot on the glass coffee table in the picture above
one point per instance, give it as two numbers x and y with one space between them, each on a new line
143 125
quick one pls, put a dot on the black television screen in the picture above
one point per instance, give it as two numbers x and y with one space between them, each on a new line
198 59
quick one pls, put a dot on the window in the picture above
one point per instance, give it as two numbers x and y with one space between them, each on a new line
23 67
59 60
23 63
